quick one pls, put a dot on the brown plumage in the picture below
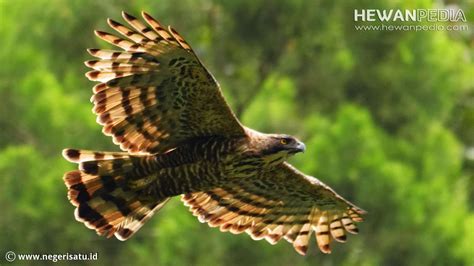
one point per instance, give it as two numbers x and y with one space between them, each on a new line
179 137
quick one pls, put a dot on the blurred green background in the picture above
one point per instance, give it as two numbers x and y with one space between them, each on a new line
387 116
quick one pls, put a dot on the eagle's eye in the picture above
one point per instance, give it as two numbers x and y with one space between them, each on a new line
284 141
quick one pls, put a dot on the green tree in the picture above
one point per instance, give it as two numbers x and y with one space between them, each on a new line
387 116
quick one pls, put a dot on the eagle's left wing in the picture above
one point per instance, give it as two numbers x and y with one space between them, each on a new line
280 203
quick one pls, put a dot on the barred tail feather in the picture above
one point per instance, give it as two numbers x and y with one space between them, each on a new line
76 156
105 198
133 223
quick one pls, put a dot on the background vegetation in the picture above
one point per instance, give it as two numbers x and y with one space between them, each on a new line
387 116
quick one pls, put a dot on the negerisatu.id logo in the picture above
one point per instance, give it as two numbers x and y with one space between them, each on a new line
429 15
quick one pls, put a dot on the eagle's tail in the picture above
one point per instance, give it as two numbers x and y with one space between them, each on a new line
106 189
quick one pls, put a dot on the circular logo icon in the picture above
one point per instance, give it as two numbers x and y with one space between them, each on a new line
10 256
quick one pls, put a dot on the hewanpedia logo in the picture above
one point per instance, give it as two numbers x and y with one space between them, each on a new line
430 15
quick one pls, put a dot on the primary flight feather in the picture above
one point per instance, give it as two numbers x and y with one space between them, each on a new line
179 137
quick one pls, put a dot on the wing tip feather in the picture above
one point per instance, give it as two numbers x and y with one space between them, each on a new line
146 15
72 155
326 249
127 16
100 33
301 249
93 51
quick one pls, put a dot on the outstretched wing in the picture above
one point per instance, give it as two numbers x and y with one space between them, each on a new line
155 94
280 203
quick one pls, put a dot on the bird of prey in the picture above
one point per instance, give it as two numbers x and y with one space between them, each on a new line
179 137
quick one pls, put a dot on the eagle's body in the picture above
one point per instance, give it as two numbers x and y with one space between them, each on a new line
180 138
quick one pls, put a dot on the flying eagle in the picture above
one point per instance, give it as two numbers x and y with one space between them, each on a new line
179 137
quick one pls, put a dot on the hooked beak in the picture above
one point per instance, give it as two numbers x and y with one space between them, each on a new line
300 147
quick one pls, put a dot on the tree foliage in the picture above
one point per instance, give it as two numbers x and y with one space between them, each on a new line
387 117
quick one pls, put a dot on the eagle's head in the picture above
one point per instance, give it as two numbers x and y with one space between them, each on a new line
276 148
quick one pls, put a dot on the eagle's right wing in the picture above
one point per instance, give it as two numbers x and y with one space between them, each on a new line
280 203
155 94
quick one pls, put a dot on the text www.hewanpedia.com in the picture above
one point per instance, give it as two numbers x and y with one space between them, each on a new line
384 27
